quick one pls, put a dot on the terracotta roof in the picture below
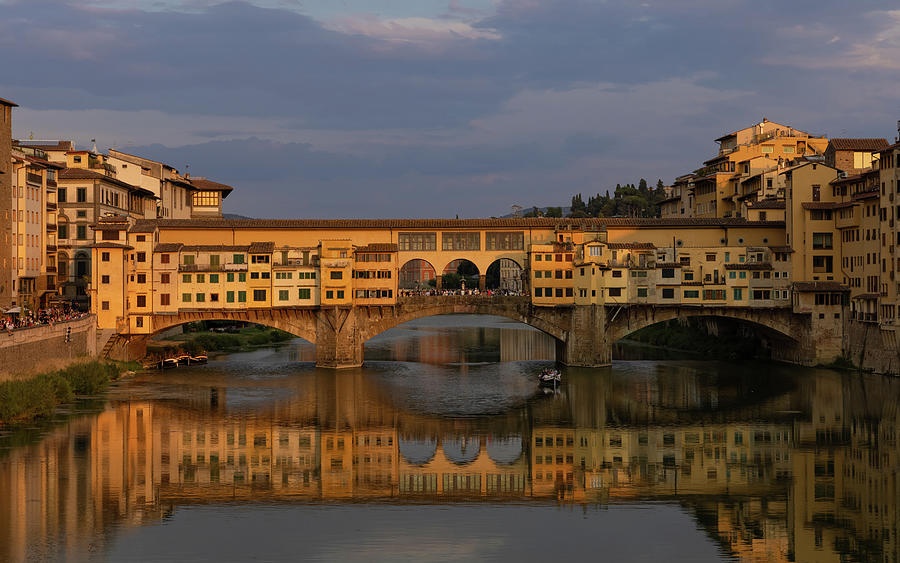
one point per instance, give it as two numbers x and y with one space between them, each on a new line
262 247
378 247
825 204
768 204
55 146
110 226
750 266
168 247
522 223
214 248
85 174
4 102
820 286
143 226
631 245
871 145
873 194
669 265
785 249
865 296
110 245
209 185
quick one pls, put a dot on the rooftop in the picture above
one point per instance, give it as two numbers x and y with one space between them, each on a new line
871 145
149 225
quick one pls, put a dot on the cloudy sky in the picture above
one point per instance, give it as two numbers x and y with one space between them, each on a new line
433 108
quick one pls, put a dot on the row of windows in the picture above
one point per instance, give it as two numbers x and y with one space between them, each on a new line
553 292
558 274
214 259
258 295
552 257
213 278
461 241
371 274
80 195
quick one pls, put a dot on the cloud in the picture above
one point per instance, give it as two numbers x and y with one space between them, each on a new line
411 30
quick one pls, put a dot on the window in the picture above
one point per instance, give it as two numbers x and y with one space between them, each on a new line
81 232
163 258
816 192
229 297
61 195
669 273
691 294
185 278
595 251
615 292
214 278
164 299
303 293
141 256
242 276
283 295
142 278
141 300
822 264
668 293
185 297
205 199
104 256
259 295
214 297
62 231
104 279
711 257
259 259
642 292
254 275
164 278
504 241
139 322
417 241
337 275
265 275
738 294
201 278
461 241
105 305
188 259
238 259
340 294
229 277
822 241
617 273
81 195
201 297
242 296
732 275
109 235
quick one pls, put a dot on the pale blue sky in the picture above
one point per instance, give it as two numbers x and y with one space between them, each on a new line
437 108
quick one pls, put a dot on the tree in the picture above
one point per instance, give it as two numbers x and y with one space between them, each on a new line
578 206
554 212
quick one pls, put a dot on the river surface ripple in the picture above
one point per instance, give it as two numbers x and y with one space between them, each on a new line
443 448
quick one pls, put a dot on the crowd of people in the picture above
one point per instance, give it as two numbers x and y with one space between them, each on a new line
26 319
433 292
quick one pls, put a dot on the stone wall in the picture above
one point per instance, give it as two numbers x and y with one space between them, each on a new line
31 350
873 348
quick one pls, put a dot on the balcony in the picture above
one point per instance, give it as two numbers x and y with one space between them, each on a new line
235 267
51 206
51 227
51 184
51 269
51 247
33 178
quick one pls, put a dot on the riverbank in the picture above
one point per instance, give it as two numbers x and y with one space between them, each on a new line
206 341
26 399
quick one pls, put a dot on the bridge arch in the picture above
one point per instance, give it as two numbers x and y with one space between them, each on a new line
416 274
298 322
417 451
466 272
505 274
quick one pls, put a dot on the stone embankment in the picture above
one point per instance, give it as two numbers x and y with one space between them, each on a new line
32 350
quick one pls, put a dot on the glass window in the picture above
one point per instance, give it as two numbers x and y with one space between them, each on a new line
229 297
229 277
417 241
304 293
504 241
185 278
238 258
259 294
461 241
186 297
242 296
214 278
283 295
201 297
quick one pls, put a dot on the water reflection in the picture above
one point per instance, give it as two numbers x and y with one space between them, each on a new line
772 462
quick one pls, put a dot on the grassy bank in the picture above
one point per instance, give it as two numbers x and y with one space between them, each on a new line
207 341
22 400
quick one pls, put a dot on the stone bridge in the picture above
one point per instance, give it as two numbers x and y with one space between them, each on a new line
583 333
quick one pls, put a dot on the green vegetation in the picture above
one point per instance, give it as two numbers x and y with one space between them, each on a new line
27 399
199 338
626 201
693 336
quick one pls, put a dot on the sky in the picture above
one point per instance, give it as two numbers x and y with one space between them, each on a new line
440 108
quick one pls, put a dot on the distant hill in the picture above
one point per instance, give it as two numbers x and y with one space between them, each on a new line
565 211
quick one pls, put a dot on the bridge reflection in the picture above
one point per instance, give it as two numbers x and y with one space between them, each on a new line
799 474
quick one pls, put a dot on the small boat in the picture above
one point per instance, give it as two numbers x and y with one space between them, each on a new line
549 378
184 360
199 359
168 363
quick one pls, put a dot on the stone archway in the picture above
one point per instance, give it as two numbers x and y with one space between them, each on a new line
417 274
505 274
461 274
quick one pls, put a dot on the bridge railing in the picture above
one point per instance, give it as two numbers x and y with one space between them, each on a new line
482 298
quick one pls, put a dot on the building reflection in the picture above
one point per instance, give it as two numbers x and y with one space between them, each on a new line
804 475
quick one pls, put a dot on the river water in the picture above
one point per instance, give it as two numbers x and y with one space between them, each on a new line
442 448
